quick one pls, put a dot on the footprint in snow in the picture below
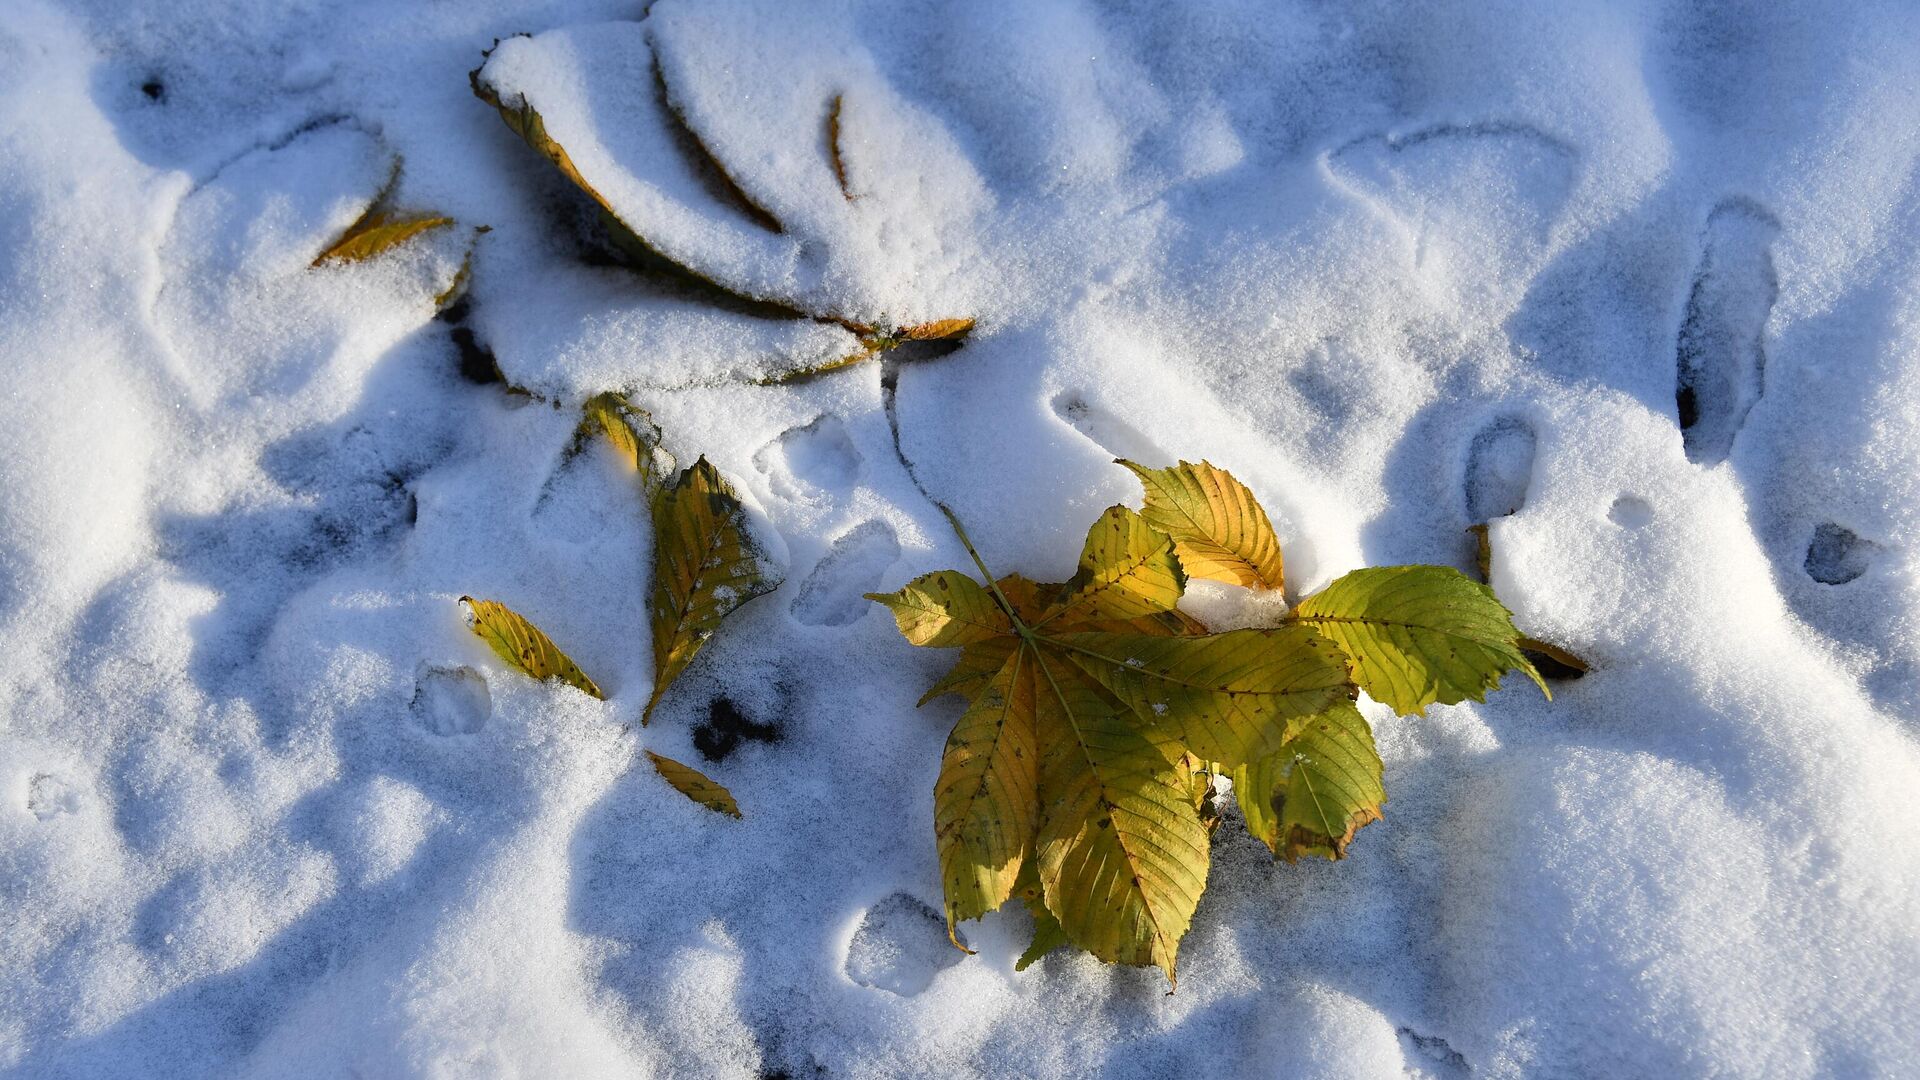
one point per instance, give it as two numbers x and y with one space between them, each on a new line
1720 358
834 594
900 946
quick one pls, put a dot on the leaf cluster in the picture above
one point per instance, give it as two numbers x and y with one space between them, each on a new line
1078 777
707 562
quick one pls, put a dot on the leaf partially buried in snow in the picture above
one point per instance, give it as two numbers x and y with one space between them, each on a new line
376 233
1219 529
633 435
694 784
1419 634
521 644
706 563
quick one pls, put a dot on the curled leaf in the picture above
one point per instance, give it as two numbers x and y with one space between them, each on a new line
694 784
521 644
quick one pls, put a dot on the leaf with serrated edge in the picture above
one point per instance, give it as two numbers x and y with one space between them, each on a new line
945 609
977 664
694 784
706 563
1127 570
521 644
1416 635
1219 530
1327 785
1229 697
986 799
1122 853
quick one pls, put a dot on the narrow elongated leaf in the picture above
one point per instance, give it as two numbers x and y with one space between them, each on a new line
834 149
1416 635
630 430
1219 529
986 800
521 644
1330 787
945 609
1122 852
376 233
937 330
706 563
1127 570
1230 698
694 784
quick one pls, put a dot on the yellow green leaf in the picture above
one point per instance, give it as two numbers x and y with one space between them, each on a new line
706 563
376 233
986 800
945 609
937 330
694 784
1230 697
1122 852
1219 529
1313 795
521 644
1127 570
1416 635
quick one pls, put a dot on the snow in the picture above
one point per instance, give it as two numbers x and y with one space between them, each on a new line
267 808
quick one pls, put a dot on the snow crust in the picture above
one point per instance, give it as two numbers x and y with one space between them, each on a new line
268 809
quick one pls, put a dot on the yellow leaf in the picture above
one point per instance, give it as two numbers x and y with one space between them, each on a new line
694 784
938 330
633 435
1127 570
1219 530
986 800
945 609
834 150
1311 796
706 563
1122 852
377 233
521 644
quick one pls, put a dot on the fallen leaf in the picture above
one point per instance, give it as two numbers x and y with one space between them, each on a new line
521 644
1219 529
694 784
706 563
1417 635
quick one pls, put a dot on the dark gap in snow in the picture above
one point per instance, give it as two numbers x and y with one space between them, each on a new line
155 90
1720 356
1837 555
726 727
1442 1061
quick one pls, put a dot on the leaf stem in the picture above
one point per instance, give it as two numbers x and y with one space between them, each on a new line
999 597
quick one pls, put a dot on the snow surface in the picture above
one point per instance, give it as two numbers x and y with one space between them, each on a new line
267 809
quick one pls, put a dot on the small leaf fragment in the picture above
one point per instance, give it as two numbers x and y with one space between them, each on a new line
938 330
1416 635
521 644
1219 529
1047 936
1553 661
834 150
376 233
694 784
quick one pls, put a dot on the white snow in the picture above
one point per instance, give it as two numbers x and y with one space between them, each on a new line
268 809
